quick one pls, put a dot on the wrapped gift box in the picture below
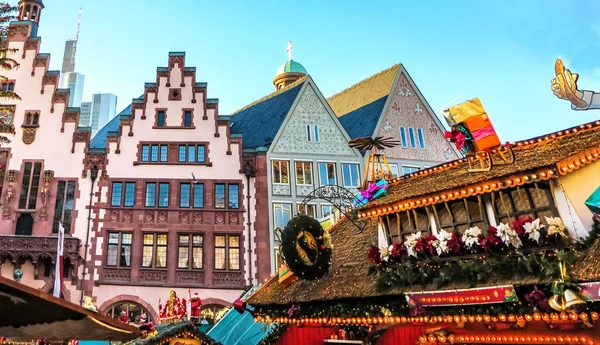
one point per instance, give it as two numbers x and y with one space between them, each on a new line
360 200
382 189
593 203
464 111
483 133
286 277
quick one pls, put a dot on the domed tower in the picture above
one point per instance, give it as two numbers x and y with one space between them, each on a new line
30 10
289 72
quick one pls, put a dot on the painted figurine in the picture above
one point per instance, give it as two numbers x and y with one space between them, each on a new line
123 317
564 86
196 303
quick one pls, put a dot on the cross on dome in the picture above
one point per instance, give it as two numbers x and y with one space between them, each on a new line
289 50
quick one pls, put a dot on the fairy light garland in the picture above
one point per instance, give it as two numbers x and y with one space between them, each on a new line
510 318
589 158
463 192
506 339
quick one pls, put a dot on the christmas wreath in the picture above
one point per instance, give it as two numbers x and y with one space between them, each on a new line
306 247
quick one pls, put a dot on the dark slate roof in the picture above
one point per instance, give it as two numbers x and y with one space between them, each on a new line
99 140
362 121
259 122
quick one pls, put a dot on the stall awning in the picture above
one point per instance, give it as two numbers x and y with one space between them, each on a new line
28 314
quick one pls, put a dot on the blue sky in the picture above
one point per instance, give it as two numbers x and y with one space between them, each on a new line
500 51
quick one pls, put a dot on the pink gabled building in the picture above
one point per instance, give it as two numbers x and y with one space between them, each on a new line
42 181
170 204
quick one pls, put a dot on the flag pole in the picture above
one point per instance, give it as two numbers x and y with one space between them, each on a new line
58 273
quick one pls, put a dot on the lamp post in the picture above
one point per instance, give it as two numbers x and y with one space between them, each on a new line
249 172
93 177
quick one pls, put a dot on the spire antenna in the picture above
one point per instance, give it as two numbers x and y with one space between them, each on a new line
289 50
76 37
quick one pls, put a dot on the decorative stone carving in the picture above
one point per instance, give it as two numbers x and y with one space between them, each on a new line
312 111
227 278
44 193
114 216
11 177
184 217
190 277
116 275
282 189
304 190
35 248
219 218
127 216
234 218
163 217
28 134
197 217
153 276
148 216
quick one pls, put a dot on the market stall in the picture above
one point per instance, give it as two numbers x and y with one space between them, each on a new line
29 314
499 247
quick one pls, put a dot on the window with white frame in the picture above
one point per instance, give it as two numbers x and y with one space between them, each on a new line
327 174
282 214
304 173
394 168
421 138
351 174
403 139
412 137
312 133
308 209
326 210
280 172
409 170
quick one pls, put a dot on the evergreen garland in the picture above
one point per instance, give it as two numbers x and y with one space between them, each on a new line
274 334
6 63
541 265
306 234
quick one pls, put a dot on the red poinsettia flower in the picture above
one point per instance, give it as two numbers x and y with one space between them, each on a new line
454 243
517 225
399 250
374 256
424 246
491 240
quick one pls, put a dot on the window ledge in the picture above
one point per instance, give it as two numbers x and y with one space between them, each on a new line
173 127
30 126
171 209
115 267
153 269
208 164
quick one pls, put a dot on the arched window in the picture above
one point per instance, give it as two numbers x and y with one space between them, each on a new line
212 313
34 13
133 310
27 13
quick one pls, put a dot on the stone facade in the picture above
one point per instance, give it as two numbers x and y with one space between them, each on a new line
41 169
170 207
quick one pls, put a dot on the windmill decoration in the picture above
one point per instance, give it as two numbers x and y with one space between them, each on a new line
377 169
